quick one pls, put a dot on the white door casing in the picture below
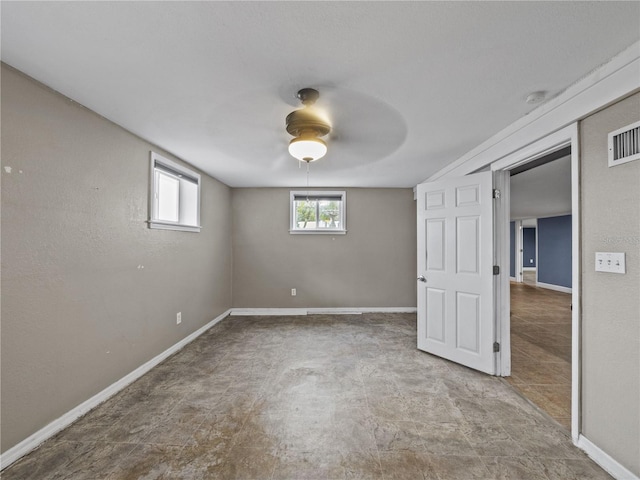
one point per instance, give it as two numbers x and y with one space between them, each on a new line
455 257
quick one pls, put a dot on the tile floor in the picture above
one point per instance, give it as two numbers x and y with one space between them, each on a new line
541 348
316 397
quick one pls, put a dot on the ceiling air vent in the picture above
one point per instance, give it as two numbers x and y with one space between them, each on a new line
624 144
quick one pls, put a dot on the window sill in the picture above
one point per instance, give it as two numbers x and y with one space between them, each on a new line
173 226
318 232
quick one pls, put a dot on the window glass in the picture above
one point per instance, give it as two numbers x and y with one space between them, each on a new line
175 196
318 212
168 191
305 214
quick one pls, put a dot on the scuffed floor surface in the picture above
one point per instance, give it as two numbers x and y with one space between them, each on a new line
331 397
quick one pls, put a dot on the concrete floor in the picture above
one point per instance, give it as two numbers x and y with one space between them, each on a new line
332 397
541 348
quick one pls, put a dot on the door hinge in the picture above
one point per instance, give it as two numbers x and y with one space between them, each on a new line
496 347
496 193
496 270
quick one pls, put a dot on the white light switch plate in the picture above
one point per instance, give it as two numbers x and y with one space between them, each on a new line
610 262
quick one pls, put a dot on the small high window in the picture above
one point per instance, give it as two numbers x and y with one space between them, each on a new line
318 212
175 196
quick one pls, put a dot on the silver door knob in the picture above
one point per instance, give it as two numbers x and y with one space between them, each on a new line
422 279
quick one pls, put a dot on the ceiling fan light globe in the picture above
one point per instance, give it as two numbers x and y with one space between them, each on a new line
307 149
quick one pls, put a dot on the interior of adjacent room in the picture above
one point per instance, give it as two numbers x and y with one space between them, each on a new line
541 347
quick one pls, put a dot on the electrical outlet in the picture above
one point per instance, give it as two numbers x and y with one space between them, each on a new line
178 318
610 262
293 292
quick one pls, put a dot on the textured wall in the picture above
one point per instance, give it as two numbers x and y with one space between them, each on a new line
554 251
373 265
77 312
610 216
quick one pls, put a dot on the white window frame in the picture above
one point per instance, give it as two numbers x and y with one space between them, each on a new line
179 171
318 231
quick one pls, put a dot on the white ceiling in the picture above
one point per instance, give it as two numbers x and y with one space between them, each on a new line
409 86
544 191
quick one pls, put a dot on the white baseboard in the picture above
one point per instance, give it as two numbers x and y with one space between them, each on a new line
244 312
529 269
605 461
316 311
33 441
513 279
557 288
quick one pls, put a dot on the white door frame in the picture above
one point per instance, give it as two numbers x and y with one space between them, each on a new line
567 136
519 253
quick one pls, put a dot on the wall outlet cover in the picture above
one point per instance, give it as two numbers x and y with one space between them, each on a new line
610 262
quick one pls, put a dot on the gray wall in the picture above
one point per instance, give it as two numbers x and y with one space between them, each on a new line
373 265
610 216
554 251
529 247
77 312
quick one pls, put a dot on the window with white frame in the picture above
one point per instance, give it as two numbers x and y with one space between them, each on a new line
318 212
175 196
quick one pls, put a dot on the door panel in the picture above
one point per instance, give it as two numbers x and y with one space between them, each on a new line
467 245
467 321
435 314
435 244
455 257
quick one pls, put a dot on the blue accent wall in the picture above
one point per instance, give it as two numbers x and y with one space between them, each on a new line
512 249
528 247
554 250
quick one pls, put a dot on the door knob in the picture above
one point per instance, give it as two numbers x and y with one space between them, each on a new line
422 279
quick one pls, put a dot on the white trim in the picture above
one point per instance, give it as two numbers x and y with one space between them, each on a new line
34 440
614 468
576 312
318 232
243 312
357 310
502 254
537 236
172 226
519 246
336 311
544 146
557 288
605 85
512 279
315 311
529 269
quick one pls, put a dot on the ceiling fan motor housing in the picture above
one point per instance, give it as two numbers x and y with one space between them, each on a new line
306 121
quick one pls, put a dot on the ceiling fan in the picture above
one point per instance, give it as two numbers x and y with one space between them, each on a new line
307 125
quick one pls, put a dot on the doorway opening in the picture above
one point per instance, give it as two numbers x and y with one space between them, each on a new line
541 283
457 319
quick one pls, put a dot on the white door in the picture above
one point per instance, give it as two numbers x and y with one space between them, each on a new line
455 270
